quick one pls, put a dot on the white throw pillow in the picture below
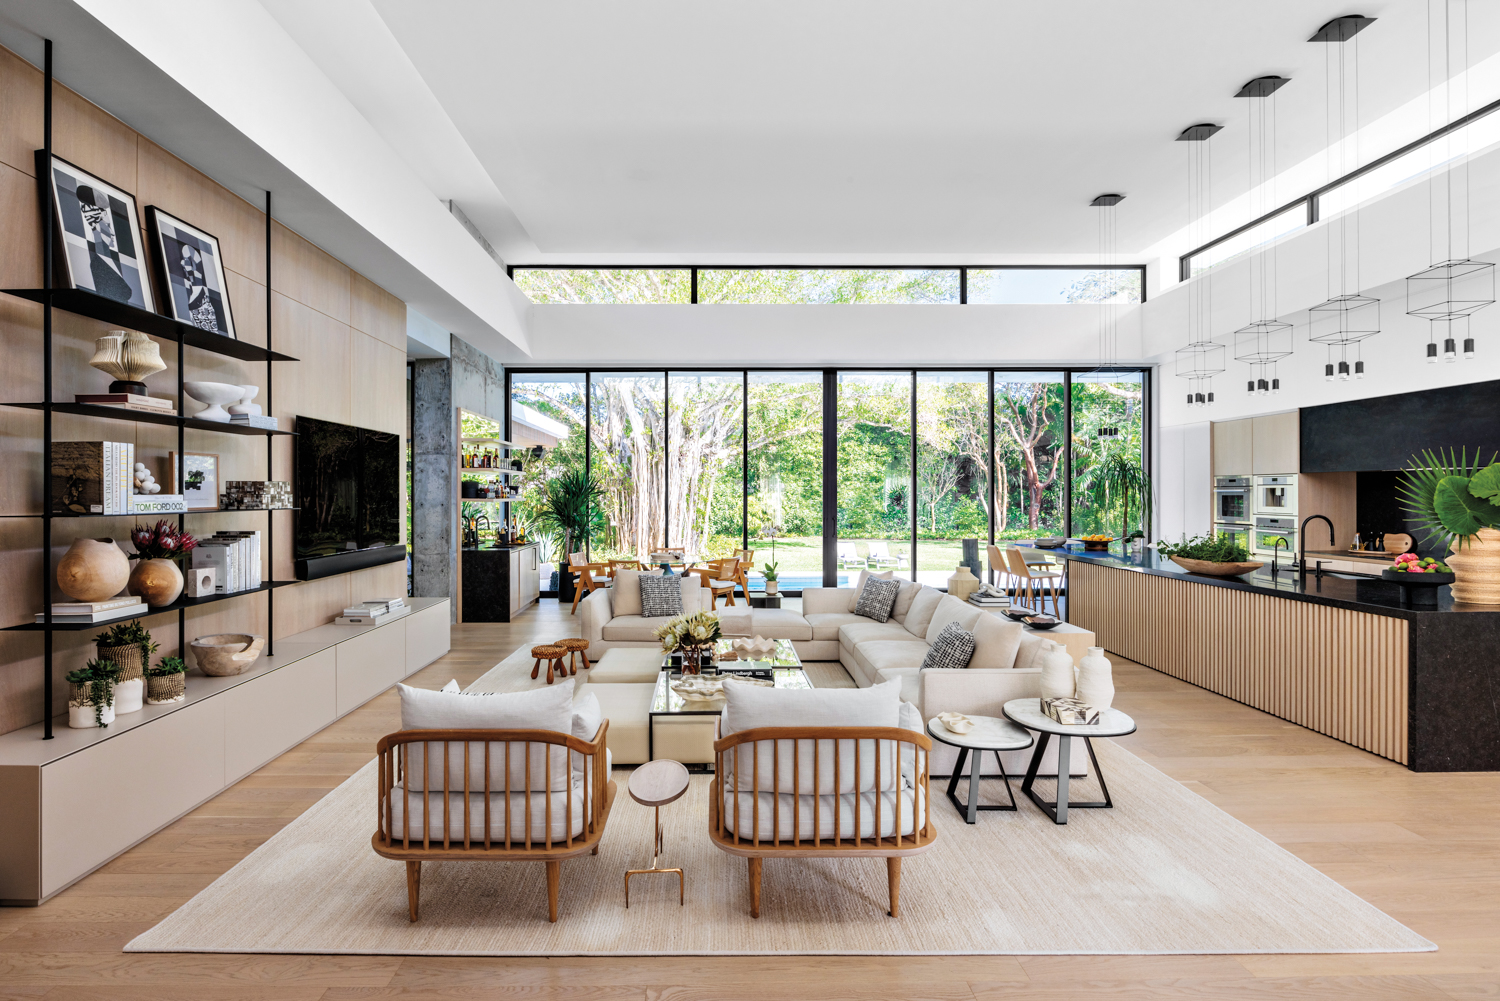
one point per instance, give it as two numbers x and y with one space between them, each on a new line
549 708
951 609
904 598
859 584
588 716
747 707
919 615
996 641
451 686
627 590
1029 651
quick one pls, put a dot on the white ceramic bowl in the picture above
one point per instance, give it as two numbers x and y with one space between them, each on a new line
215 394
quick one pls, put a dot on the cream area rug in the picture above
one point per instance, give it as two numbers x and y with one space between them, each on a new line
1164 872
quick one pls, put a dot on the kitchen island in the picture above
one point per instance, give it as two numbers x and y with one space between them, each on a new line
1337 655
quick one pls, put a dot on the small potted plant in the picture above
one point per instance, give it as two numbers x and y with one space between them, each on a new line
1215 556
129 646
166 682
769 572
156 576
91 703
693 637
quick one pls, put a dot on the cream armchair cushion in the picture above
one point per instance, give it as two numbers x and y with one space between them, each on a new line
996 641
951 609
627 588
549 708
919 615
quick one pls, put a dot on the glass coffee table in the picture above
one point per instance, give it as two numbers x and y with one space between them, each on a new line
783 668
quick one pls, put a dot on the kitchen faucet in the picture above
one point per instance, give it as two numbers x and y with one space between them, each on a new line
1332 541
1276 546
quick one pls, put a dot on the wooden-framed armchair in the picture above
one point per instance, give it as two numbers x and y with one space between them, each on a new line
722 577
490 795
587 577
822 792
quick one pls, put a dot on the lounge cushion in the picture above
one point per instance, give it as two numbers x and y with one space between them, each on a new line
428 807
549 708
919 616
825 625
996 641
1029 651
736 620
866 631
637 628
627 588
881 655
876 599
911 687
747 707
625 666
660 596
951 609
780 624
859 584
904 598
954 647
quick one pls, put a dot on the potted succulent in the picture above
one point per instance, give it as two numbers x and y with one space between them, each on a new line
129 646
693 636
772 584
1457 503
167 681
1206 554
156 576
91 702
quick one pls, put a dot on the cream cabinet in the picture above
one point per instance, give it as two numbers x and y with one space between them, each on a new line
1276 441
1231 447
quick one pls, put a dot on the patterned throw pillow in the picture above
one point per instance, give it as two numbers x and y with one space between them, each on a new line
954 648
661 596
877 598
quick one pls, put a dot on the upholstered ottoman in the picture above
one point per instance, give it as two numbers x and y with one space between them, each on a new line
689 739
626 665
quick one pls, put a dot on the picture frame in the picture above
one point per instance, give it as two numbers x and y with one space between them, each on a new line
189 273
98 235
199 478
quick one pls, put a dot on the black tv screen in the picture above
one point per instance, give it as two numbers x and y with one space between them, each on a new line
348 490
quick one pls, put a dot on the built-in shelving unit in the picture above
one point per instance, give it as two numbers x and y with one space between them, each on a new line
96 307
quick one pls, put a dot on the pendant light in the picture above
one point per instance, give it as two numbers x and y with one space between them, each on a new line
1346 318
1109 344
1201 358
1455 288
1265 340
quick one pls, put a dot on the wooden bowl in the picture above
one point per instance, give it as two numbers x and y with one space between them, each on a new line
226 654
1216 569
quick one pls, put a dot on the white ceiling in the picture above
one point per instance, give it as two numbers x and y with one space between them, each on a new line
874 131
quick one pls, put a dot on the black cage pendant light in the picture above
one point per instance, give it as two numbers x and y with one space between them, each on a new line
1347 317
1456 287
1265 340
1109 344
1201 358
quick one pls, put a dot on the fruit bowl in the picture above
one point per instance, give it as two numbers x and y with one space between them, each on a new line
1097 543
1411 579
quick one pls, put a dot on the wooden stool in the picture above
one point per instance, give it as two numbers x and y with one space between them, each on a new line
553 655
655 784
576 648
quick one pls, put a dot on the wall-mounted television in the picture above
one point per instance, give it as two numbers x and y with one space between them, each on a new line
348 489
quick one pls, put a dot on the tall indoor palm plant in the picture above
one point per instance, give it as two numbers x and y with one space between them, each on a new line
1119 478
570 506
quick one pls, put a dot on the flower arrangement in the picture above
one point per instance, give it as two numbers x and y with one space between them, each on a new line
692 636
1412 563
162 541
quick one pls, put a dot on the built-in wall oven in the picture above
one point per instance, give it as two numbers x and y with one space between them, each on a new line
1238 534
1232 500
1276 495
1268 529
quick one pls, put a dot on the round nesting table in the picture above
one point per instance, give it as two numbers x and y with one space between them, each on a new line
655 784
1028 713
989 734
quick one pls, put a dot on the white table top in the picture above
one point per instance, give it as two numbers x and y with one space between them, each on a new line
990 733
1028 713
659 782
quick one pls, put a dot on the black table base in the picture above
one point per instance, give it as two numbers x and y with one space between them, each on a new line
1058 809
967 810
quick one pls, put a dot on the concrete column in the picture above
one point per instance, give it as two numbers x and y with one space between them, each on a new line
434 516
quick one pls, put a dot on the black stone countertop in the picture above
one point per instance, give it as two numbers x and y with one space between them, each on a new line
1377 596
494 547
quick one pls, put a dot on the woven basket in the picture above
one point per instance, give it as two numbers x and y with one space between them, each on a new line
166 688
130 658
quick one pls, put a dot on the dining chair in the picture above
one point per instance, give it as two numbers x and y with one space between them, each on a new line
721 577
1032 580
587 577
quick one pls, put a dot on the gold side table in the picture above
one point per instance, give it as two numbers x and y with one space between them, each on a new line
655 784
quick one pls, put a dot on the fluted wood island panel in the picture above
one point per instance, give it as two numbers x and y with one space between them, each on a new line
1340 672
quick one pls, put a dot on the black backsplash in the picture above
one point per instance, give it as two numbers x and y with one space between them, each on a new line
1378 510
1384 432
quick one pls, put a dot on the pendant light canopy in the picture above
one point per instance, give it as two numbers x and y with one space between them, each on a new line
1201 358
1265 340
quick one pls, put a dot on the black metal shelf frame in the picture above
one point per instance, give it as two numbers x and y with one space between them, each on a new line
154 325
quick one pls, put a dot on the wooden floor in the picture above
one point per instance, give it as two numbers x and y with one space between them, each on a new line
1424 848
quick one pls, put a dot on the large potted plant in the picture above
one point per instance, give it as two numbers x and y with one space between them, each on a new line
1217 556
1457 504
569 508
1119 478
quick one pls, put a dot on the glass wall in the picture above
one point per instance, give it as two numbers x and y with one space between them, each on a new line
953 434
784 453
1030 455
605 285
627 425
1121 286
1108 449
708 461
874 472
827 285
705 462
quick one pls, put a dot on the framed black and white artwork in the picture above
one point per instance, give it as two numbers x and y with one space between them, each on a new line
98 235
191 272
198 472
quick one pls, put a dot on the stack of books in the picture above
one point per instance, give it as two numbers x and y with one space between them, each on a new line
1070 712
86 612
235 557
92 477
369 613
254 421
129 401
987 599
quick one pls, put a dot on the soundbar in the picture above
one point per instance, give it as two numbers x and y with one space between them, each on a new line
358 559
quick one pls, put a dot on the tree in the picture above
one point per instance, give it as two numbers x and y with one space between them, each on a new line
1027 414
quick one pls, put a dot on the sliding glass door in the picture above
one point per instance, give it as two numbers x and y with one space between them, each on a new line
784 491
705 469
627 431
874 472
953 434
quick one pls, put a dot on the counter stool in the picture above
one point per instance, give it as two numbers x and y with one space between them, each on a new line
576 648
553 655
655 784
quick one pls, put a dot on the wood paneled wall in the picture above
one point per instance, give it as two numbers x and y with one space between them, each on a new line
349 334
1339 672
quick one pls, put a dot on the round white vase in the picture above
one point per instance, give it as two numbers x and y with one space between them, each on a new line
1057 681
1096 685
129 696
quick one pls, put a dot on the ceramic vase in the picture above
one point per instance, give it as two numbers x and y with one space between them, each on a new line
1096 685
1058 680
247 405
159 582
963 583
772 586
93 570
1477 569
